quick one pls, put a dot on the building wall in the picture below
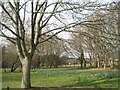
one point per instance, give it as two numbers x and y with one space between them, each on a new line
71 61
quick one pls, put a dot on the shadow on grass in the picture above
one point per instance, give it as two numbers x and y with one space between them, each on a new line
59 88
93 83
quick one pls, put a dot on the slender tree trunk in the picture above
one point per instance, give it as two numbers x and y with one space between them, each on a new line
90 62
98 63
105 64
26 64
84 64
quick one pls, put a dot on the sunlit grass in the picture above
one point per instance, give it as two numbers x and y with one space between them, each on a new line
64 77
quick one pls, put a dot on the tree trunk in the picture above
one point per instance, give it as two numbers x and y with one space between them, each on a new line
84 64
90 62
98 62
104 64
13 68
111 64
26 64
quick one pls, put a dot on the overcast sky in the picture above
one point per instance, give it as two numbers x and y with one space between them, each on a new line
66 35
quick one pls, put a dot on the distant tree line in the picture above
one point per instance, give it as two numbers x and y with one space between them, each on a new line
47 55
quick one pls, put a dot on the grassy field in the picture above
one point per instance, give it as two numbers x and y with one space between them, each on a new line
70 77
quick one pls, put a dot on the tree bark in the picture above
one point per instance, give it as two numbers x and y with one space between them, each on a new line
98 62
84 63
26 64
90 61
105 64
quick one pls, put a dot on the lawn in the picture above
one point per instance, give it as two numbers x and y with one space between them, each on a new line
69 77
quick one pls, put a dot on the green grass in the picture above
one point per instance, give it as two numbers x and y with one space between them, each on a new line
64 77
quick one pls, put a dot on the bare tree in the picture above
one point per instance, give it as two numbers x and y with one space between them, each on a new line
99 38
31 18
10 58
48 54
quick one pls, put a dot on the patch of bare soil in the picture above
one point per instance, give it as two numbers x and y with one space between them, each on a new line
97 69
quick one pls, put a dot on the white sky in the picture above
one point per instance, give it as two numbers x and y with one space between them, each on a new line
66 35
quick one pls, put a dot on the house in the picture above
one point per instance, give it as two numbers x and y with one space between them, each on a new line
71 61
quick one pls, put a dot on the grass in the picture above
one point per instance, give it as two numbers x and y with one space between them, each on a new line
70 77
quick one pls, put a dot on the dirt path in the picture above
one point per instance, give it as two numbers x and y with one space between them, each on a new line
96 69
